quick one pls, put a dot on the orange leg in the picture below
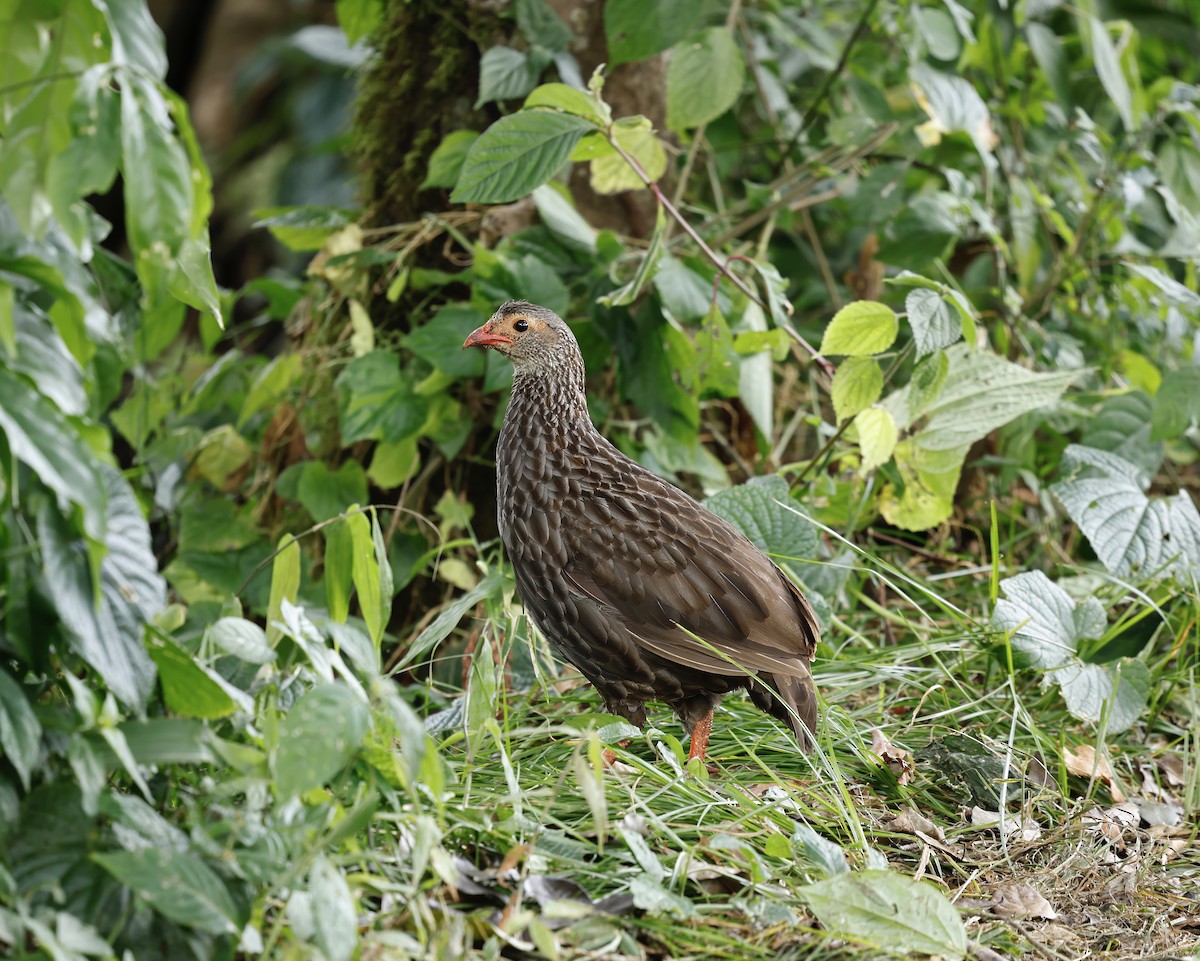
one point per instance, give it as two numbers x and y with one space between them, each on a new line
700 736
609 756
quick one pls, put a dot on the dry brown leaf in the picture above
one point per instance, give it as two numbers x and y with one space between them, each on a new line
1021 901
1172 768
1026 829
912 821
1084 762
898 760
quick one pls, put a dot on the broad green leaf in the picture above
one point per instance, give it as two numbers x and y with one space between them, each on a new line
1108 68
439 341
158 182
336 919
318 737
539 24
888 912
221 455
136 38
168 740
930 478
1120 688
759 509
241 638
270 385
581 103
647 266
953 105
861 328
935 322
506 73
1174 292
188 689
20 732
877 436
325 493
1046 625
1177 403
928 379
516 154
1131 533
636 30
857 384
359 19
718 366
982 392
826 854
302 228
611 173
1122 426
39 436
557 213
176 885
704 78
339 560
285 584
393 463
107 630
377 401
446 161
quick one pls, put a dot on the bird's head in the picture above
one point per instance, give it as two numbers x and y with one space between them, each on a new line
532 337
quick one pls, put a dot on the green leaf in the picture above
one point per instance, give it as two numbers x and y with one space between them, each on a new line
857 384
718 365
647 266
1177 404
446 161
704 78
1047 50
1122 426
1046 625
359 18
168 740
581 103
8 329
759 509
935 322
188 689
336 919
887 911
20 732
176 885
564 221
636 30
241 638
318 737
1108 67
302 228
1120 688
270 385
953 105
982 392
158 181
506 73
393 463
611 173
516 154
107 630
366 570
930 478
377 401
1173 291
447 621
285 584
39 436
1131 533
756 377
928 379
339 559
877 436
325 493
861 328
439 342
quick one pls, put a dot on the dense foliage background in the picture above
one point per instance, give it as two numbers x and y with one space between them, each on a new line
908 290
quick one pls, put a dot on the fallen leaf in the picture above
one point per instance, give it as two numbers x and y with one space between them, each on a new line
1172 768
912 821
1026 828
1084 762
1021 901
898 760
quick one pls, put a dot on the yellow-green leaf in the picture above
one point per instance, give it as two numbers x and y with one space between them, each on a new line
856 386
877 436
859 329
285 584
612 173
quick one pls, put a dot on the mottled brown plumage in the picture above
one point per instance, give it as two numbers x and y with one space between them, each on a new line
647 593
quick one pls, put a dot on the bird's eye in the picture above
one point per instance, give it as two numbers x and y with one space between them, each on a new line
521 326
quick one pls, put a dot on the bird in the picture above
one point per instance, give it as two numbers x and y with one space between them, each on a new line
650 595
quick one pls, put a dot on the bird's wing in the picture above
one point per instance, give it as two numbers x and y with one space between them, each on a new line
686 584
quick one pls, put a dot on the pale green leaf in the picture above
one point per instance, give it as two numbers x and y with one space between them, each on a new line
857 384
704 78
935 322
1118 689
1044 623
861 328
242 639
20 731
1108 68
581 103
506 73
177 885
336 919
877 436
612 173
285 584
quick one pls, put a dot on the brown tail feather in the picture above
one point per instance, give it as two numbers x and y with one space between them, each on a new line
792 700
